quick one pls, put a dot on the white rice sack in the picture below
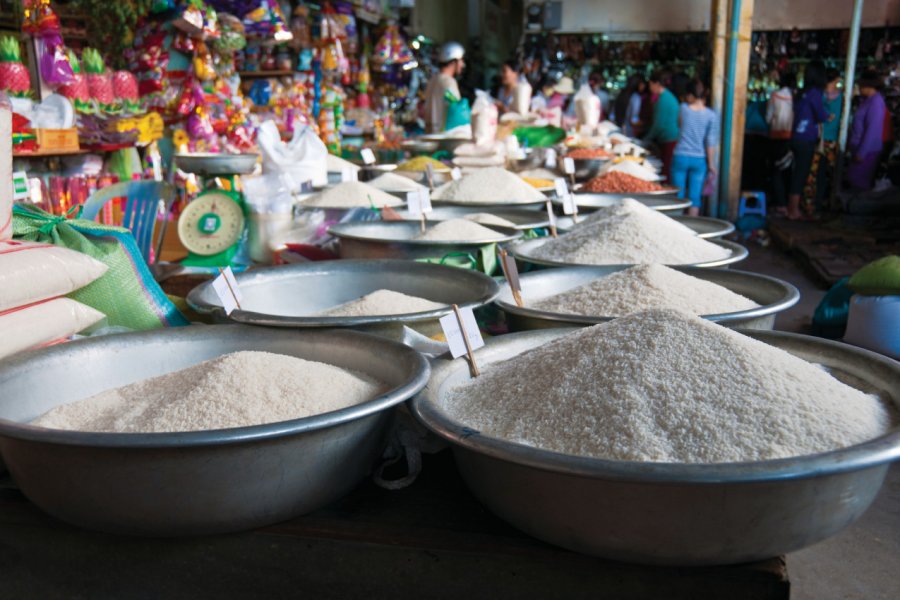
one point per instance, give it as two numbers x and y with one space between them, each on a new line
587 107
607 127
484 119
474 150
31 272
480 161
43 323
521 97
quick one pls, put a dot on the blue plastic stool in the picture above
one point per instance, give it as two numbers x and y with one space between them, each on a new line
752 203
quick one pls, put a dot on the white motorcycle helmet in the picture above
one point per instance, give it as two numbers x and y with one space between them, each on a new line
451 51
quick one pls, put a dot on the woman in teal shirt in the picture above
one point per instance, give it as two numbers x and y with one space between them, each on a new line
819 182
664 130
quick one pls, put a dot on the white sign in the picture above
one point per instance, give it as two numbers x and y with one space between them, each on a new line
368 156
20 185
452 332
226 288
570 207
561 187
455 173
550 158
550 214
348 173
419 202
568 166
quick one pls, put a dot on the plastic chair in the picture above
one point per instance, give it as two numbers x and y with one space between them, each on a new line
141 208
752 203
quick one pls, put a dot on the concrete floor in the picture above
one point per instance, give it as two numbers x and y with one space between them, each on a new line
863 561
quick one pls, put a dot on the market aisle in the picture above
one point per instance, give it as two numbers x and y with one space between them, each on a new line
860 562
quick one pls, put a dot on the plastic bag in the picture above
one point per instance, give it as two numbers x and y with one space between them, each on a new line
459 113
521 98
484 119
302 159
43 323
270 207
127 293
873 322
587 107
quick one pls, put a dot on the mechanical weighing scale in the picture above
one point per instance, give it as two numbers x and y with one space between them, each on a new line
211 227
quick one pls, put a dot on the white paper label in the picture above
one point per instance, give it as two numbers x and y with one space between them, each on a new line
568 165
226 288
368 156
348 173
561 187
452 332
455 174
512 273
550 158
551 215
419 202
570 207
20 185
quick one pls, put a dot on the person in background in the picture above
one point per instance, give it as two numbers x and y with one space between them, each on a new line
809 113
698 141
817 185
509 79
866 133
627 108
664 129
598 85
562 93
780 118
450 66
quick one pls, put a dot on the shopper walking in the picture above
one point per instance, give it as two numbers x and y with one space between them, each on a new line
866 134
819 182
664 130
698 140
780 119
809 113
627 108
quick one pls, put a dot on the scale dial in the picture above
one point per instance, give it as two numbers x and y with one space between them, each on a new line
210 224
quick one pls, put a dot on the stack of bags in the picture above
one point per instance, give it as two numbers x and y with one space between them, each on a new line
34 279
471 157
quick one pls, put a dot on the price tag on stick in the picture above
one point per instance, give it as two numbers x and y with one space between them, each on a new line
511 272
552 218
560 187
348 173
455 174
569 166
227 289
463 335
419 202
570 207
368 157
550 158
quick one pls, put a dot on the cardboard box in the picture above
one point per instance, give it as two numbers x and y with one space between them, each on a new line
57 140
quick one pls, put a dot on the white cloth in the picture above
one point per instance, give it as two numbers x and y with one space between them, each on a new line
435 104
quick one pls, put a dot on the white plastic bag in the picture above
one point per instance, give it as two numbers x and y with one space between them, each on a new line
484 119
304 158
587 107
270 208
874 323
521 98
32 272
43 323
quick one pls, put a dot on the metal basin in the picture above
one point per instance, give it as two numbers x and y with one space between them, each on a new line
705 227
395 240
523 219
292 295
663 513
490 207
773 296
172 484
587 168
523 251
217 164
665 200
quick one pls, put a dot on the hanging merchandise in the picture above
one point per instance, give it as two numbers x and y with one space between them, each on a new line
99 80
42 23
77 90
391 49
334 63
14 77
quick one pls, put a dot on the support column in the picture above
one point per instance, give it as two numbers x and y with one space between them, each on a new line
735 104
718 31
849 81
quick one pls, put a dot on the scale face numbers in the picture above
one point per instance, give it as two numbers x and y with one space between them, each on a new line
210 224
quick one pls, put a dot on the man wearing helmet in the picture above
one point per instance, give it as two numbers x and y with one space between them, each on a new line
450 66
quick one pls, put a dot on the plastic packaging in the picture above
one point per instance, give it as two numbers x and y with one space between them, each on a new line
270 209
43 323
302 159
484 119
32 272
587 107
522 98
874 323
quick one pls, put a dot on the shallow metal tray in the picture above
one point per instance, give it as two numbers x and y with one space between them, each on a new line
773 296
705 227
522 218
189 483
523 253
395 240
217 164
664 201
663 513
292 295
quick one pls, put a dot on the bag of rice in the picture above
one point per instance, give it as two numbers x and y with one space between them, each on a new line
522 97
587 107
32 272
484 119
43 323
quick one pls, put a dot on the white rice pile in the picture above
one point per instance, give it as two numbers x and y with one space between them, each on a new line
233 390
489 219
336 164
630 234
493 185
352 194
539 173
630 206
644 287
391 182
667 386
459 230
382 302
630 167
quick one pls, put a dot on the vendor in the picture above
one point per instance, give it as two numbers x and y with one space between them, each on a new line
509 80
866 134
451 65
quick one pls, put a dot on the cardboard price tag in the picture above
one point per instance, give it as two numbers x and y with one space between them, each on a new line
561 187
570 207
368 157
569 166
227 289
550 158
348 173
454 333
455 174
419 202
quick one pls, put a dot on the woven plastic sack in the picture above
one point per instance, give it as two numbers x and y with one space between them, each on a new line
459 112
127 293
485 260
878 278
